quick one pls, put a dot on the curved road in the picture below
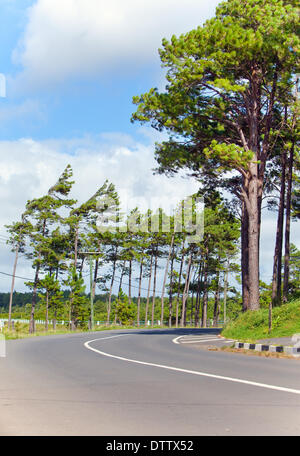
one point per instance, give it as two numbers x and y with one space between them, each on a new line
114 383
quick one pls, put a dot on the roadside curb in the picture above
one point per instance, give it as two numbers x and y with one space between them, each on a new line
271 348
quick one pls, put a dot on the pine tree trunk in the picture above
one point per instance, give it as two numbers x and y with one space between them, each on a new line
276 279
193 295
34 300
197 309
205 294
148 292
34 294
154 288
253 195
245 257
54 319
178 291
121 278
217 300
110 292
186 292
81 266
225 292
139 295
47 311
129 282
171 290
253 213
95 277
71 317
12 286
288 226
76 246
164 282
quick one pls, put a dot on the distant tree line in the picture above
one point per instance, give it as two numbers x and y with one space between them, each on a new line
59 237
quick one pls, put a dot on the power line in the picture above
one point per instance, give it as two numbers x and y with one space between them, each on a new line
17 277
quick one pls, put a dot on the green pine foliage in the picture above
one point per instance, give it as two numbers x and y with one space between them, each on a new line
124 312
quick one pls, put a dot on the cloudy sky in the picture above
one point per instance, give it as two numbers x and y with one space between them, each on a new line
71 70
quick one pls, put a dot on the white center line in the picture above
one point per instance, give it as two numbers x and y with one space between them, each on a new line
187 371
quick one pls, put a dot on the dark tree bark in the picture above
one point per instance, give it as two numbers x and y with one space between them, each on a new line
154 289
165 280
197 309
110 291
129 282
12 286
121 278
186 292
139 294
47 311
178 291
205 293
148 292
34 299
217 301
245 258
34 294
288 225
276 278
171 290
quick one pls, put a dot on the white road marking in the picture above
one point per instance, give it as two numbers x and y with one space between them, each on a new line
187 371
176 340
198 339
194 341
200 336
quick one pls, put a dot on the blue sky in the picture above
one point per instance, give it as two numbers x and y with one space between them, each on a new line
72 68
75 106
68 77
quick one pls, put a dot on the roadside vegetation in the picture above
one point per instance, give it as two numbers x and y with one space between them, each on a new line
21 330
251 326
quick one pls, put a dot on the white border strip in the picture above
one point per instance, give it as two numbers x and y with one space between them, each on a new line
186 371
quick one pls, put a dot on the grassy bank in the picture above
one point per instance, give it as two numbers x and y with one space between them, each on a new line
21 330
253 325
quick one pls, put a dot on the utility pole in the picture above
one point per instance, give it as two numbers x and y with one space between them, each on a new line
225 290
91 293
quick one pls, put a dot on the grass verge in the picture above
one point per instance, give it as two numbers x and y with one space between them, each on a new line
21 330
253 325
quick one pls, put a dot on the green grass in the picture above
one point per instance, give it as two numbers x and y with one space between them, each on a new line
253 325
21 330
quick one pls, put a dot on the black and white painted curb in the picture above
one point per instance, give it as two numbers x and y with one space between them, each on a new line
268 348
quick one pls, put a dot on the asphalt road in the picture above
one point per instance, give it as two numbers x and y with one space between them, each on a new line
137 383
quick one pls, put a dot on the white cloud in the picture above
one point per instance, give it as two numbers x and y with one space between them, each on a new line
29 168
70 38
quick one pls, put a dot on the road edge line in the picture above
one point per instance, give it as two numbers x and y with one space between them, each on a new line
187 371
